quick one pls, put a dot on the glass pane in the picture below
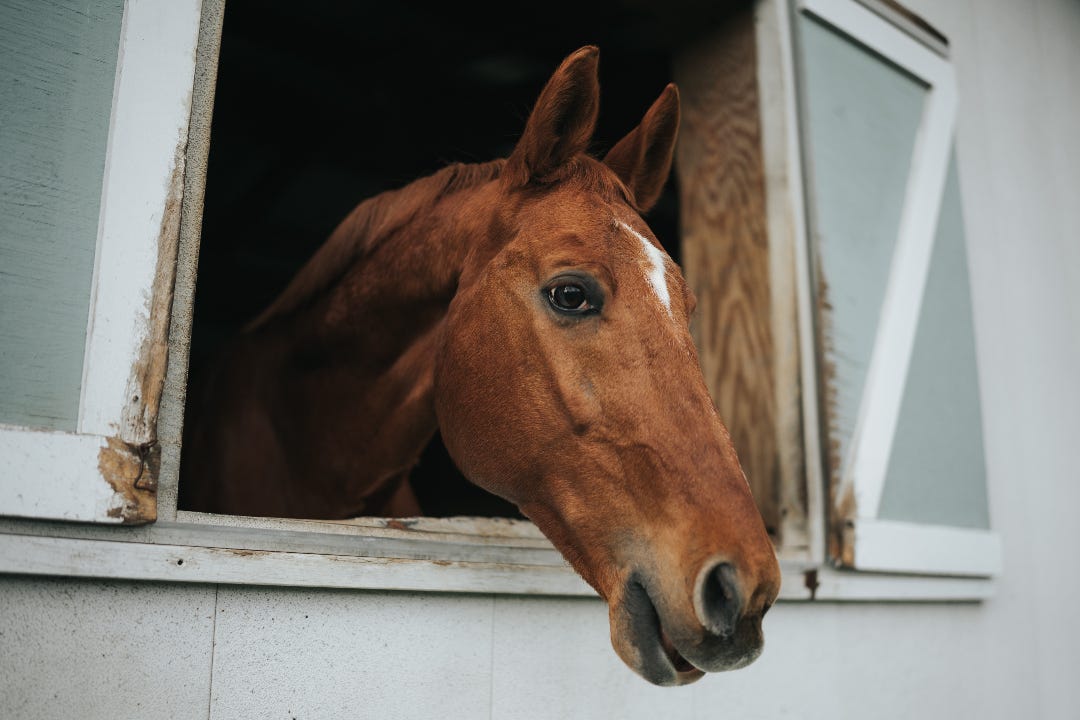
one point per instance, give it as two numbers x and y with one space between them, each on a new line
861 116
937 471
57 69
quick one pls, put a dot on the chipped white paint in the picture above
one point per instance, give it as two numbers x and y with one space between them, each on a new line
657 273
781 146
883 545
55 475
143 165
886 375
889 546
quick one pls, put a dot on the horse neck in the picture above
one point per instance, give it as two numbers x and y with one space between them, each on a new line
392 297
351 373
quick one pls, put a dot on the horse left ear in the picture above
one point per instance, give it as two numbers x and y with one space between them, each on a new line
562 121
642 159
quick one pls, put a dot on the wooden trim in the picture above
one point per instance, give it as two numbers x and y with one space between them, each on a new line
171 416
183 563
106 472
726 247
914 25
124 364
857 586
860 540
886 376
474 530
64 476
875 424
881 36
887 546
799 442
135 558
313 537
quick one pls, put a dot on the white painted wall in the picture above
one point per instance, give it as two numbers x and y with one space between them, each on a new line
92 649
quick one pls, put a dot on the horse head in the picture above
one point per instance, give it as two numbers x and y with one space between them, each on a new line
567 381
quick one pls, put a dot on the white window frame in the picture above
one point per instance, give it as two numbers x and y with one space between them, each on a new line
60 476
877 544
95 474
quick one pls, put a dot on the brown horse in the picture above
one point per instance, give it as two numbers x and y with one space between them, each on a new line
523 308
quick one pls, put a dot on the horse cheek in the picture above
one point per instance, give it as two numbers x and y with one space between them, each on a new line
474 408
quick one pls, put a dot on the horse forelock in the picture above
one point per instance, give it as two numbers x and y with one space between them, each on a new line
368 226
587 174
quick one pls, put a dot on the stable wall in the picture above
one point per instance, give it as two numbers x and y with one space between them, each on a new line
95 649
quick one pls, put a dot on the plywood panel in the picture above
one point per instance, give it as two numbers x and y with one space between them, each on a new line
725 244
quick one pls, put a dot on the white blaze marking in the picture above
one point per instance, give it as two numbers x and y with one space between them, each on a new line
657 272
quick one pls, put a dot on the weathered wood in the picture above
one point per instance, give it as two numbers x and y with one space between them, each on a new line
174 393
801 500
135 264
183 553
138 561
725 244
82 478
125 322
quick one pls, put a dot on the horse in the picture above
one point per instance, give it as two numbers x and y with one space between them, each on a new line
523 308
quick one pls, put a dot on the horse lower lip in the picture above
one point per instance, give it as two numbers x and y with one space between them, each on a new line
682 665
648 635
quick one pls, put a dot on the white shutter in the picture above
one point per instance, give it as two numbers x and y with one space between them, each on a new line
896 360
100 467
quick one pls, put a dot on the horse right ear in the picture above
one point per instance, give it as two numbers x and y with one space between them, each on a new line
643 158
562 121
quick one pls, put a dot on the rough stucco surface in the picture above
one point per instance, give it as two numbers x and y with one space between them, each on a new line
139 650
340 654
94 649
1019 164
554 660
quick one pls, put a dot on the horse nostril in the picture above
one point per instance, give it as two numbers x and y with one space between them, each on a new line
719 602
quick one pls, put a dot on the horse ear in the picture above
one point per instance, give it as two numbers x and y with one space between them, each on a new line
642 159
562 121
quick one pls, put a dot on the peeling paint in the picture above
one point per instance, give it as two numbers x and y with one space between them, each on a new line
842 529
131 471
148 372
842 505
397 524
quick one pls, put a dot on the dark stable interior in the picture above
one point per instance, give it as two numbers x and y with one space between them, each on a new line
323 104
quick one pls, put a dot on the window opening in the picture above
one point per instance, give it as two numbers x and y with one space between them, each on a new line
318 111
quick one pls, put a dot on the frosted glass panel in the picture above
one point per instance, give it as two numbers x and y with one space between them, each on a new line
861 116
937 471
57 68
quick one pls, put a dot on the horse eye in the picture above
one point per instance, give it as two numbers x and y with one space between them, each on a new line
569 298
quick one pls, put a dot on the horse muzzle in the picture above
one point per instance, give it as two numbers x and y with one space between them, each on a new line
669 641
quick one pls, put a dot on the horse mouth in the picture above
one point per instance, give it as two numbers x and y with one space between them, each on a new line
657 658
682 665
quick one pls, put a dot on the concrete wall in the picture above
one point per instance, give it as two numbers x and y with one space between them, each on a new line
94 649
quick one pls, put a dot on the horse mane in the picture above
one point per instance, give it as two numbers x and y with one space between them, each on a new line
367 226
379 217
